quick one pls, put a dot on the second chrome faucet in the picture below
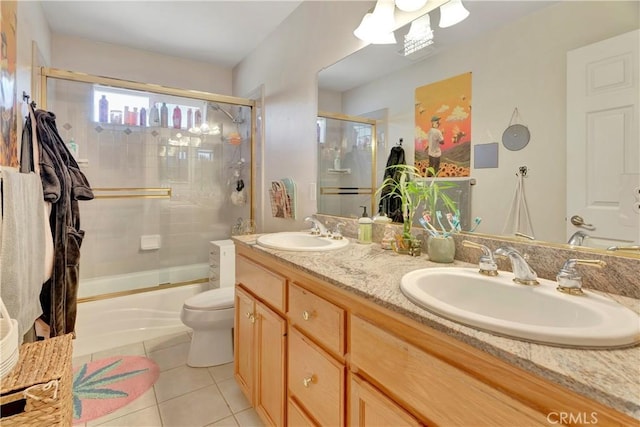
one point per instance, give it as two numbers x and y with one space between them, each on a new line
524 274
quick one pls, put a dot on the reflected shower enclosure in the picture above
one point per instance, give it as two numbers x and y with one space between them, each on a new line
170 173
346 159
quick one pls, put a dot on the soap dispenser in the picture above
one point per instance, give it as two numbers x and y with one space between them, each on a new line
365 227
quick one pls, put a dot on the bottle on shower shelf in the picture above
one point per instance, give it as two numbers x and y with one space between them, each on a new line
177 117
198 118
143 117
154 116
103 109
127 118
164 115
134 117
189 118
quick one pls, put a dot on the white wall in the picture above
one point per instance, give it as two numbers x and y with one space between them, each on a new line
104 59
315 35
32 27
521 65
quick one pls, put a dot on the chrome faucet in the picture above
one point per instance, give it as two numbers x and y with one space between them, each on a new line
577 238
487 263
623 248
522 271
318 228
569 280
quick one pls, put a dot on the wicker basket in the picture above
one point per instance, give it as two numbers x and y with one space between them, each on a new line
38 391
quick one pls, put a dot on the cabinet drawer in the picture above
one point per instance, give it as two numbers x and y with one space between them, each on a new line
268 286
296 417
369 407
320 319
316 380
439 392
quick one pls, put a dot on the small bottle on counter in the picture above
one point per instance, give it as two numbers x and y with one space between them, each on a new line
365 227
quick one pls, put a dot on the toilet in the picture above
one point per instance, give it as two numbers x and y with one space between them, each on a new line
210 313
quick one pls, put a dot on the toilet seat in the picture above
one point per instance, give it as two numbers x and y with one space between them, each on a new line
214 299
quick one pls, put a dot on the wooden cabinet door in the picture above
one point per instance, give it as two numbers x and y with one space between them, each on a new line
270 345
368 407
243 341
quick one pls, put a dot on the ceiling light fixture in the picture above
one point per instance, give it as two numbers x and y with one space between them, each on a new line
452 13
377 27
410 5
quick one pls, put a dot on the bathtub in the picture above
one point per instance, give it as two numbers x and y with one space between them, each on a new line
129 319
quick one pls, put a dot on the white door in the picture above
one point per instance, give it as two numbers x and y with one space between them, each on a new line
603 141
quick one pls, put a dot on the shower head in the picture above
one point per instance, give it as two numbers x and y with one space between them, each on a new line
216 107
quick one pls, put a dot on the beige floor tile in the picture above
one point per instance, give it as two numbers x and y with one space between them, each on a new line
222 372
196 409
248 418
181 380
148 417
136 349
147 400
171 357
233 395
166 341
227 422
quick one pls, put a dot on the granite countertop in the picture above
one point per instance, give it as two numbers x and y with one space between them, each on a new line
611 377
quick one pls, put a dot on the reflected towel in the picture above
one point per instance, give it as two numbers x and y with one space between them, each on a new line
22 246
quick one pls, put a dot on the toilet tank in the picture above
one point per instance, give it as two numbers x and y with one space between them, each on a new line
222 264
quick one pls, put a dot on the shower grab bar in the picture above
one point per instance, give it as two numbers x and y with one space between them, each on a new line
166 191
345 190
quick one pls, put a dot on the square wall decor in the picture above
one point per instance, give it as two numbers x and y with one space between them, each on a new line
485 155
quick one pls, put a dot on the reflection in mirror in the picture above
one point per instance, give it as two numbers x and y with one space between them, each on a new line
346 155
517 53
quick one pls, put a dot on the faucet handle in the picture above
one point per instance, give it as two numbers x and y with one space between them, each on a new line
337 234
569 280
487 263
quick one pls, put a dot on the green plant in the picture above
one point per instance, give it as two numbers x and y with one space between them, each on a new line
406 183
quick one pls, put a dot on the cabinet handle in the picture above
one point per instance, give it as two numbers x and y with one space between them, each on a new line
307 381
248 315
306 315
252 318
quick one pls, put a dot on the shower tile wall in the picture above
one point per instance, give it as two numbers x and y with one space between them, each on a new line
199 173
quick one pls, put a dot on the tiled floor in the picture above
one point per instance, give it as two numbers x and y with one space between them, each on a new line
182 396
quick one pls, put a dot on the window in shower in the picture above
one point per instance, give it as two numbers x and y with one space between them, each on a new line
161 193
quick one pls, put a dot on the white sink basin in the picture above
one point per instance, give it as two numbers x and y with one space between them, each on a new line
300 241
533 313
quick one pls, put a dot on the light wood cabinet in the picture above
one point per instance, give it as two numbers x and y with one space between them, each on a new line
430 387
340 359
368 407
260 346
316 380
319 319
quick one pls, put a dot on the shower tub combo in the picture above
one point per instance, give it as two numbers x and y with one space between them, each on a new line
113 322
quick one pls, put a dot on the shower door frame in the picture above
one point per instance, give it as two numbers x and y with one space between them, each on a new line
55 73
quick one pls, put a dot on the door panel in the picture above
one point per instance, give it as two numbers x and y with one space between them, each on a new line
603 142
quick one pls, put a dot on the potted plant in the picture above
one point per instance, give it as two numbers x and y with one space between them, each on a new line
406 183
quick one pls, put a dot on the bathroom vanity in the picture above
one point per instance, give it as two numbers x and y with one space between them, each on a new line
327 338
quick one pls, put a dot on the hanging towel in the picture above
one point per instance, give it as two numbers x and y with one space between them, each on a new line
22 246
290 188
518 219
280 203
392 205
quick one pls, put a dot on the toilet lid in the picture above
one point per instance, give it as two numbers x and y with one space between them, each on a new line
215 299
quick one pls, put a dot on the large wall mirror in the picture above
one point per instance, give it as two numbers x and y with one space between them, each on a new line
518 54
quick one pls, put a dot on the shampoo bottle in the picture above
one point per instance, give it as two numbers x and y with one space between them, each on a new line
365 227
